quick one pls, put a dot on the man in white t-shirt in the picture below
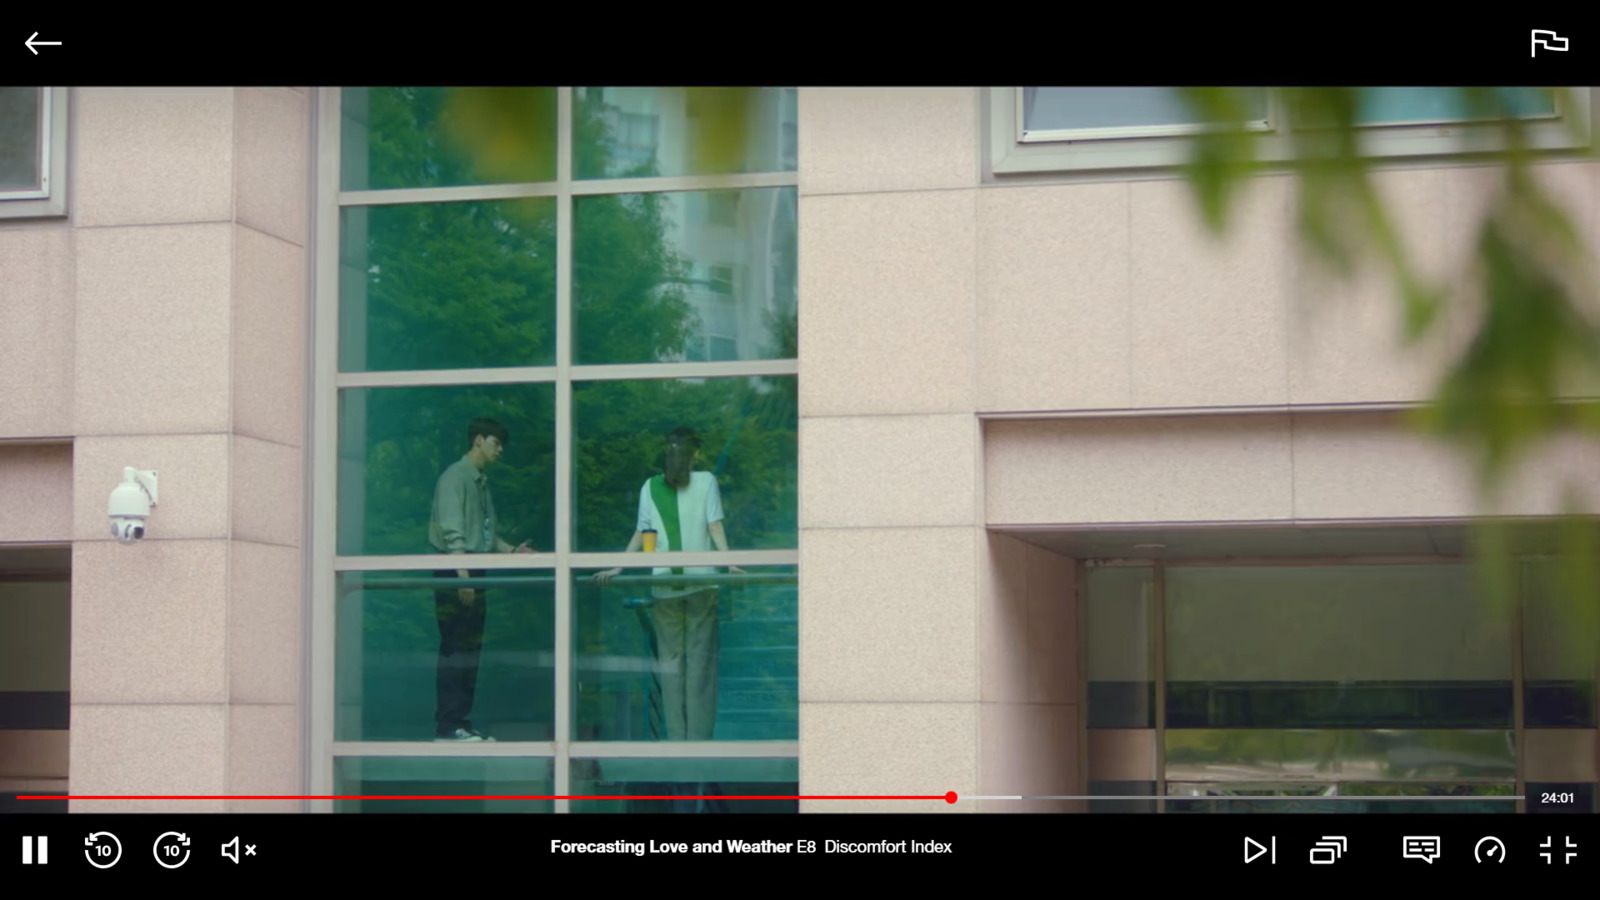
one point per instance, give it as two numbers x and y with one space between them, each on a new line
684 509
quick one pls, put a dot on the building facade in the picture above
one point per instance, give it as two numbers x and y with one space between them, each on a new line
1033 486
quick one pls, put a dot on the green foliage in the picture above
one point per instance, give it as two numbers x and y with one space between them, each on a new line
1529 297
1504 393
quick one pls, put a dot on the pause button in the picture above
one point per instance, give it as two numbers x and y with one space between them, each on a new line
33 847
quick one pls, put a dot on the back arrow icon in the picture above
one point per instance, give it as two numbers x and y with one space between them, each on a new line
33 44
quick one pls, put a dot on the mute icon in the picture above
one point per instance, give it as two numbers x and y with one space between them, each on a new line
231 850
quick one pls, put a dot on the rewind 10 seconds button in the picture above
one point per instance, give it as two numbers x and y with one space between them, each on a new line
102 849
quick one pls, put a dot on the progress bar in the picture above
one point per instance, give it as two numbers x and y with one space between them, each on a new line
1171 797
942 798
950 797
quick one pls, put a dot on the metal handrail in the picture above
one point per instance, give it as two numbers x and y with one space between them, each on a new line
390 584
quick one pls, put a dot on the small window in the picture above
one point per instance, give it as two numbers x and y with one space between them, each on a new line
1076 129
1076 113
1443 106
33 139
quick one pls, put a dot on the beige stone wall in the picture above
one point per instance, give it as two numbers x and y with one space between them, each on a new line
931 653
1197 370
162 325
1253 468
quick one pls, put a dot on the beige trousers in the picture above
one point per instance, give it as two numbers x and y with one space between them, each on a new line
686 664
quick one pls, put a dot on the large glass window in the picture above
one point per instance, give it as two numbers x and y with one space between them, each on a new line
655 131
447 286
421 785
697 276
686 785
697 656
1122 677
1340 687
418 137
747 434
559 319
1335 647
395 445
392 680
1559 653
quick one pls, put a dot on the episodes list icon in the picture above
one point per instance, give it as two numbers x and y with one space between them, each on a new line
1327 851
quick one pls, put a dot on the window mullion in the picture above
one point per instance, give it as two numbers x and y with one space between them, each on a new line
564 447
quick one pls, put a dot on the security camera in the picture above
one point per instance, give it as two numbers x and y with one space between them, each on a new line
130 504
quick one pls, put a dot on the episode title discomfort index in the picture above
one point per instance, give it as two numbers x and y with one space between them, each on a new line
641 848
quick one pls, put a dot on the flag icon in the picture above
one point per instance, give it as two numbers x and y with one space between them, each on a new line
1549 40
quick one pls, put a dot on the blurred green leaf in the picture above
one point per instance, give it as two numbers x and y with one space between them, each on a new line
509 130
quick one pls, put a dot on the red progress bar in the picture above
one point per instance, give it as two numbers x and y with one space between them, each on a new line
948 798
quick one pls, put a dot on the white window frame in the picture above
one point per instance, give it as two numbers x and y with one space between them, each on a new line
50 198
1012 151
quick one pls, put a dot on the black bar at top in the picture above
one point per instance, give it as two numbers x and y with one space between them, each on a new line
1316 44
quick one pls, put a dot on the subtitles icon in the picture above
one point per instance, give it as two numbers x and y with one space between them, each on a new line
1327 851
1549 40
1423 848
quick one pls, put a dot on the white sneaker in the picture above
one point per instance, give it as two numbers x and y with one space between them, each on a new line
463 736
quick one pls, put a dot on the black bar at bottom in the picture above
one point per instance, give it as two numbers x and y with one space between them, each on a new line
189 849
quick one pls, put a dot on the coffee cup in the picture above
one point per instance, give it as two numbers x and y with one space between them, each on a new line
649 541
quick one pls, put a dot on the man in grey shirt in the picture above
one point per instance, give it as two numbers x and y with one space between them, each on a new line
464 522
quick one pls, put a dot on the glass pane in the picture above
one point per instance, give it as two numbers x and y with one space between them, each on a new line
415 662
1393 105
447 285
700 657
1245 755
685 276
396 444
685 785
454 777
1121 662
1335 647
1321 798
1063 108
19 138
1559 641
747 433
414 137
672 131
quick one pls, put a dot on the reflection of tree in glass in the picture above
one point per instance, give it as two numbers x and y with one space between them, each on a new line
472 285
621 428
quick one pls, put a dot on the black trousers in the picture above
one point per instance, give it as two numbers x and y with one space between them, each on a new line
460 640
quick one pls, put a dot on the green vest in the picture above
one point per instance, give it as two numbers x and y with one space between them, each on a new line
666 500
